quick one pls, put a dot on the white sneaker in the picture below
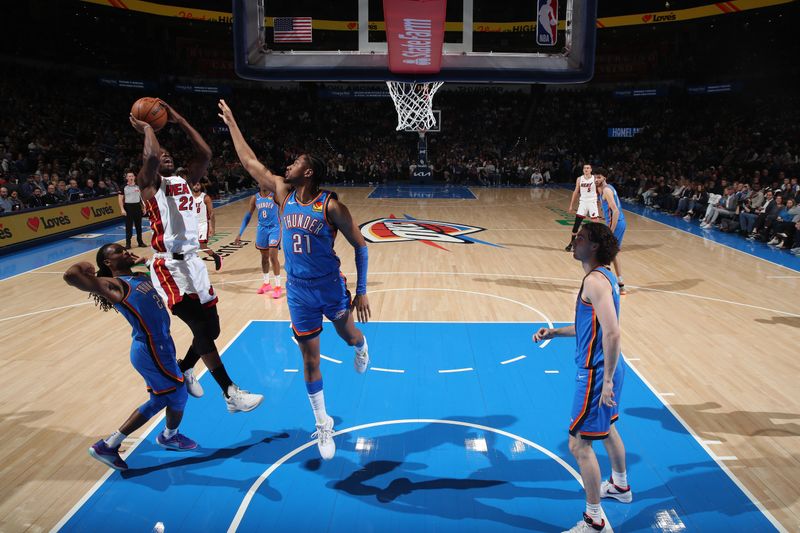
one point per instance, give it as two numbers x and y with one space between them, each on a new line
361 360
687 218
609 490
193 386
242 401
324 436
587 526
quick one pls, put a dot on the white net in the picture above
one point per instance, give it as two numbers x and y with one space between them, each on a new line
414 103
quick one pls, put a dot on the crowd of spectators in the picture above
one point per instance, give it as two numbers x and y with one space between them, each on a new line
710 157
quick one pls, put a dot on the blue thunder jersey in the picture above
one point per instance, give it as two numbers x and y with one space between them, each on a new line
589 334
308 236
144 309
607 211
267 210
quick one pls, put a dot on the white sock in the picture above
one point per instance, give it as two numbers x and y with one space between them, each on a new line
266 278
169 433
619 281
620 479
594 512
363 348
115 439
318 405
231 389
277 281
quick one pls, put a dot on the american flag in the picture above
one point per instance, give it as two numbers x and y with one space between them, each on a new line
292 29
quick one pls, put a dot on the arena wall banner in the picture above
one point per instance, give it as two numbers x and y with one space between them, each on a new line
635 19
27 226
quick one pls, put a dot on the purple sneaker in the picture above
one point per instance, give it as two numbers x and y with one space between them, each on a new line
109 456
177 442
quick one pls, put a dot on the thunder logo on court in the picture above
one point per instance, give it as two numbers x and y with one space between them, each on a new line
431 232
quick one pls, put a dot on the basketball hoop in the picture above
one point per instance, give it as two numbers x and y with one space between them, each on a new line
414 104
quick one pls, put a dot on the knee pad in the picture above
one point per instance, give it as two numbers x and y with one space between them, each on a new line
203 343
177 400
154 405
212 322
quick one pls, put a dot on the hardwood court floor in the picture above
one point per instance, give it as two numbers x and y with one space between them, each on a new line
712 329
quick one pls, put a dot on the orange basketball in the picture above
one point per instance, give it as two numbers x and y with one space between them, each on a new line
151 111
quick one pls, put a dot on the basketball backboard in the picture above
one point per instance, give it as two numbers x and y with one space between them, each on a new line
514 41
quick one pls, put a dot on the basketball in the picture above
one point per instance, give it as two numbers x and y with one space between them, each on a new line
151 111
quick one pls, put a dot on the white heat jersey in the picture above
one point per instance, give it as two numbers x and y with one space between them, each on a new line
200 207
173 217
588 189
202 216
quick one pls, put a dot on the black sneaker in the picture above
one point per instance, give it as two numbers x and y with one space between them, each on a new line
568 248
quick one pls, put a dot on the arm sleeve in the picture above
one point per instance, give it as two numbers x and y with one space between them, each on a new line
245 222
362 260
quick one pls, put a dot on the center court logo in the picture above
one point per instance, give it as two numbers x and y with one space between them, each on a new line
430 232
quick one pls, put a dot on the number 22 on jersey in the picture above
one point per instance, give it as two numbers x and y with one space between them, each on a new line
186 203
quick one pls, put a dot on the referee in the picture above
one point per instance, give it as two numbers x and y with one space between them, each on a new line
132 209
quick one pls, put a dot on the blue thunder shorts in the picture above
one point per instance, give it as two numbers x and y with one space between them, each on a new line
619 232
309 300
591 420
268 237
157 365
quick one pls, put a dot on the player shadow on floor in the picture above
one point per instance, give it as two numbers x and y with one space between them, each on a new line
530 284
253 270
710 424
701 493
27 423
639 247
535 247
182 471
355 483
791 321
399 486
674 285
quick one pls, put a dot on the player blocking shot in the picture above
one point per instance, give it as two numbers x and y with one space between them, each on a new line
310 220
268 239
114 286
177 272
586 194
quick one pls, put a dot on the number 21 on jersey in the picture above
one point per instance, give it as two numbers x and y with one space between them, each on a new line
297 243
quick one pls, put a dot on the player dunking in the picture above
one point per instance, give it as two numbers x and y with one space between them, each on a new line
152 350
601 373
587 205
268 238
206 221
310 219
615 219
177 273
